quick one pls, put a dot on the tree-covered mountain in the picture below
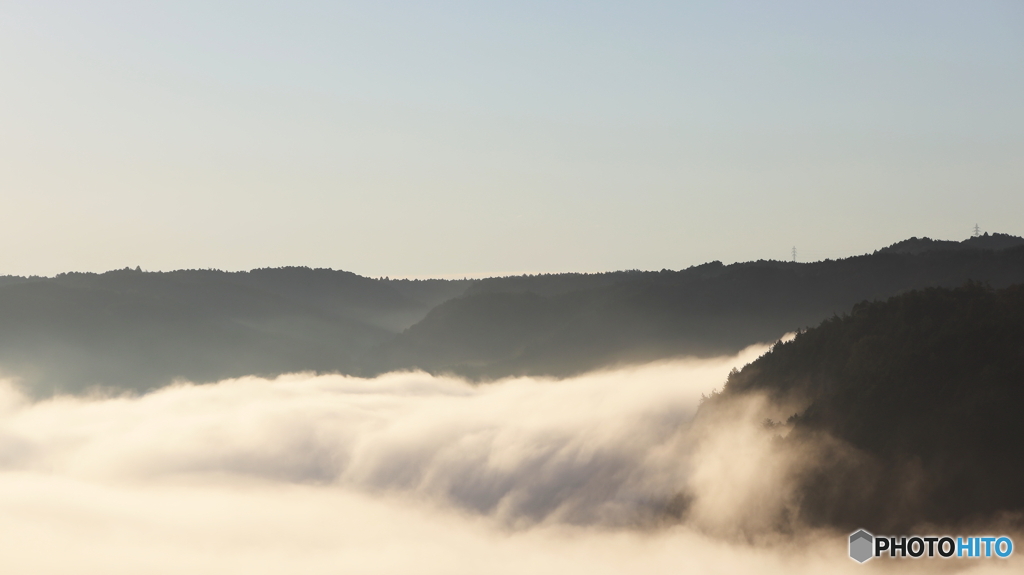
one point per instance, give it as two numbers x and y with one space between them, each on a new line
924 393
979 242
130 329
564 324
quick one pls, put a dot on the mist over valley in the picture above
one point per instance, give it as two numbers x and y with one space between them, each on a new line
724 417
473 288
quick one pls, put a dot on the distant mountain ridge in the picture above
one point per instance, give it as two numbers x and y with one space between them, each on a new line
565 324
128 329
980 242
135 330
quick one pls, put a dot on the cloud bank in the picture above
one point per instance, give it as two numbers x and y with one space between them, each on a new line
403 473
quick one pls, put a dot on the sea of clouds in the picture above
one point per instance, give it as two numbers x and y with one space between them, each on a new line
408 473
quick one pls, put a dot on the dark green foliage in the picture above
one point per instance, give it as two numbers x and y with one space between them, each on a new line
927 387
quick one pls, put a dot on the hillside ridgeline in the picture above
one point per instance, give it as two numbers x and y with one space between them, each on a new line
134 330
920 398
569 323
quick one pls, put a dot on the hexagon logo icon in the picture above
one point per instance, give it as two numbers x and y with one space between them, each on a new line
861 543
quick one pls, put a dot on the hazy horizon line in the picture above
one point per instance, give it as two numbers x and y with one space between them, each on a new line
812 256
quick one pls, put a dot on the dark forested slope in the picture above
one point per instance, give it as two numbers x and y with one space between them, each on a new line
568 323
131 329
926 388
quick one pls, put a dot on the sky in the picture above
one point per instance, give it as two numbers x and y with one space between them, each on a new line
450 139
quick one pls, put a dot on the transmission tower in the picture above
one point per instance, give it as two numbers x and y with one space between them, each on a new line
977 230
794 253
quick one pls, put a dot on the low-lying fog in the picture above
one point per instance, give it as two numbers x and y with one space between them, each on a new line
405 473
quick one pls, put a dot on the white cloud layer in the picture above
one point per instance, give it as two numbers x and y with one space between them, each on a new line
406 473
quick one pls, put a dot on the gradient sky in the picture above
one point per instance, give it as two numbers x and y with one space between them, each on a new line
471 138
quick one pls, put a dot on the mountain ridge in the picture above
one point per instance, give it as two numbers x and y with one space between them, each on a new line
133 330
705 310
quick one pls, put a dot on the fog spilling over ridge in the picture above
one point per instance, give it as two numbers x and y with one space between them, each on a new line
602 449
404 472
755 301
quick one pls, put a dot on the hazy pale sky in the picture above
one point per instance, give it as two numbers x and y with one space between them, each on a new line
450 138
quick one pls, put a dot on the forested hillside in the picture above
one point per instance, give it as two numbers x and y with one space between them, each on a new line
924 393
566 324
129 329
